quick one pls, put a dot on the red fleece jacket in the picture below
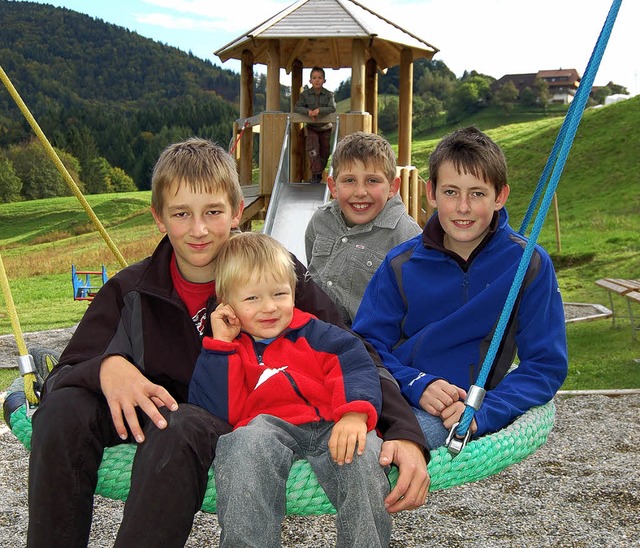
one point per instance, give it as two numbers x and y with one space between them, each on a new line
313 371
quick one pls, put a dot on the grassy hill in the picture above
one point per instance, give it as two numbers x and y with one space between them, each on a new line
599 208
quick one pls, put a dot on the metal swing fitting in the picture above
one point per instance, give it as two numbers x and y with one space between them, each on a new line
454 443
475 396
30 408
26 365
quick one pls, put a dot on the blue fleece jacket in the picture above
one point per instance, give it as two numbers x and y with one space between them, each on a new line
430 314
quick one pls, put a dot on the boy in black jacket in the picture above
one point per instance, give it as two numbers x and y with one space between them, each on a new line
124 375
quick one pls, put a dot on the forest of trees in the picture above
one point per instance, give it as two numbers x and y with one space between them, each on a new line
107 97
109 100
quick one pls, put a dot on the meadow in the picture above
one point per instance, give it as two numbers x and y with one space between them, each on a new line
598 219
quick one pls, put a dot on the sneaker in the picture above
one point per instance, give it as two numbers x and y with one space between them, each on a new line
316 178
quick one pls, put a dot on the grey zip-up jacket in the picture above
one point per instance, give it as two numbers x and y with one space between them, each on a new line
343 259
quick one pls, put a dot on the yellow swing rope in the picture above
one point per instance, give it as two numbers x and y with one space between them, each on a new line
25 360
26 365
63 170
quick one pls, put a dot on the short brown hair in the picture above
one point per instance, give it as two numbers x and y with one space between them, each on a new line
318 69
368 148
247 253
470 151
200 164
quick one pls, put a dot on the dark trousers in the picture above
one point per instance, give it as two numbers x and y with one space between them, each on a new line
318 148
72 427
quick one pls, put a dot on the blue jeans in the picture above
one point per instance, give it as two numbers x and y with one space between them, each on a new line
432 428
252 465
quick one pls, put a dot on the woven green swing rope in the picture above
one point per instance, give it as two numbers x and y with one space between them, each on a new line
481 458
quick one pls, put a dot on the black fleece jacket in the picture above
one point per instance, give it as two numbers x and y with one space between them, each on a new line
138 314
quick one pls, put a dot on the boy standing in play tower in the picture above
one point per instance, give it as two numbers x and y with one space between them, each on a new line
317 101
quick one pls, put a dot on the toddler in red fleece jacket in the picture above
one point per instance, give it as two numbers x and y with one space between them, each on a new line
293 387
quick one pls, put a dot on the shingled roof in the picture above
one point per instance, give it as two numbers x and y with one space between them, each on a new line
320 32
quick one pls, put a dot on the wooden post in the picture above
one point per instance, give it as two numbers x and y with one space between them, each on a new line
273 76
271 138
404 185
414 195
297 141
246 110
354 121
357 76
405 109
371 92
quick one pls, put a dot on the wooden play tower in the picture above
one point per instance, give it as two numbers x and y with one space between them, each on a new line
333 34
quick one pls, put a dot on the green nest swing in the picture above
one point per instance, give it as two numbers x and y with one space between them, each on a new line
480 458
474 461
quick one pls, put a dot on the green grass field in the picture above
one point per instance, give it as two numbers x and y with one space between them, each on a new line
599 220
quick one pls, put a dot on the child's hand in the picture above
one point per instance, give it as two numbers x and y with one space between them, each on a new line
439 395
224 323
453 413
349 431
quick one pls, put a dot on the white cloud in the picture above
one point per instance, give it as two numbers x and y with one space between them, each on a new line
167 21
227 15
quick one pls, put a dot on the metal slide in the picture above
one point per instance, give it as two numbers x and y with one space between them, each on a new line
293 204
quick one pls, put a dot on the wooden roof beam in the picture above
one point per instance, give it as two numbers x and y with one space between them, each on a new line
295 53
335 54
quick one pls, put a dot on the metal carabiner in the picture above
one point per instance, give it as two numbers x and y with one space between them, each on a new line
455 444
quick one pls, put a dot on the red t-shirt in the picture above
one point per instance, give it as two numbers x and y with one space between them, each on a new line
193 295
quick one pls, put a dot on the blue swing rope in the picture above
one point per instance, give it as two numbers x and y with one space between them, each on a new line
590 72
561 149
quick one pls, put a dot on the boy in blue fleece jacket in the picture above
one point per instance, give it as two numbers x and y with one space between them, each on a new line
292 387
431 308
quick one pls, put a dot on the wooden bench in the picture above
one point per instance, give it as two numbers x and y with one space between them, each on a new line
630 290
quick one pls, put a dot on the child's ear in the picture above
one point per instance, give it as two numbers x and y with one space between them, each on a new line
394 187
158 220
331 183
237 216
431 194
502 196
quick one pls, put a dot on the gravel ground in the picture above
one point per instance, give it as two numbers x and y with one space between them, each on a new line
582 489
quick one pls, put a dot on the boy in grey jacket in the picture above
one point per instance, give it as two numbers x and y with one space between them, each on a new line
349 237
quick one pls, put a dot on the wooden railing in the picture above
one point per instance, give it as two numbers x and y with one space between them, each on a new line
271 127
413 191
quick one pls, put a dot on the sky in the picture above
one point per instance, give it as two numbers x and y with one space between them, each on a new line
493 37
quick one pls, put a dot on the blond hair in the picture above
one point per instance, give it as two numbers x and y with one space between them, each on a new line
368 148
201 165
249 253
